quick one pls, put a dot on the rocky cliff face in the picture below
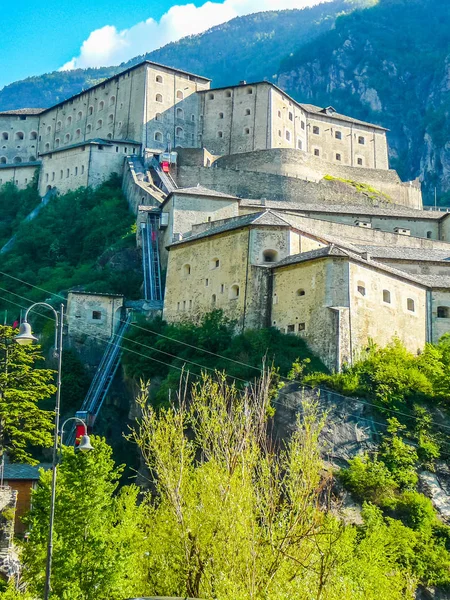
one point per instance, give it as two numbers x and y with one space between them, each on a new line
388 64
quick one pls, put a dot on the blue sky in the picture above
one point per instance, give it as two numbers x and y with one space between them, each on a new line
37 37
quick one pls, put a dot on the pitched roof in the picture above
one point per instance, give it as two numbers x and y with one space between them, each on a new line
309 108
317 110
22 111
124 72
394 210
266 218
200 190
93 142
333 250
403 253
22 471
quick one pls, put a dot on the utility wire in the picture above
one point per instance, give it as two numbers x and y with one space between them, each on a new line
284 379
280 393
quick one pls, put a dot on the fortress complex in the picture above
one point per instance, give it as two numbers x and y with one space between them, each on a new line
278 213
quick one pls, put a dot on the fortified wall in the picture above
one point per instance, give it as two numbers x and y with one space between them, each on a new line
294 175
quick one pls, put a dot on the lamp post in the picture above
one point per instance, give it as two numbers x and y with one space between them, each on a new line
25 338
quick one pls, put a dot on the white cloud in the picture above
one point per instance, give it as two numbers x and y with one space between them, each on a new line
108 46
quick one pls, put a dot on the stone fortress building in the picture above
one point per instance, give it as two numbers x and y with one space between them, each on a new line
278 213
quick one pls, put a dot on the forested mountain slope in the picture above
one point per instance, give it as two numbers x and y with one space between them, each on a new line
387 62
249 47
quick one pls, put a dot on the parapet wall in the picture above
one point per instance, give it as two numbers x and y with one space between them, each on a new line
257 185
265 170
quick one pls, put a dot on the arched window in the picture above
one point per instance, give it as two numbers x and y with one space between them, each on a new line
228 94
3 160
410 305
79 116
214 263
180 95
158 136
49 130
159 79
47 147
213 299
250 91
429 234
90 110
179 132
112 100
443 312
32 159
5 136
57 143
387 296
101 105
33 135
247 131
288 135
99 124
270 256
69 121
19 135
158 117
220 115
234 292
17 159
186 270
78 133
210 96
180 113
109 136
67 138
58 125
88 128
110 119
159 98
300 292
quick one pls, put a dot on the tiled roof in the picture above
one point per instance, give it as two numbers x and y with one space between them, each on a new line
120 74
395 210
317 110
415 254
200 190
435 281
333 250
22 471
94 141
310 108
18 165
23 111
266 218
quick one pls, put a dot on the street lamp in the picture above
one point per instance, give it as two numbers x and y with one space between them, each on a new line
25 338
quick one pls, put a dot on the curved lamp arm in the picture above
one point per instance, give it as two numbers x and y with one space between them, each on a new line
49 306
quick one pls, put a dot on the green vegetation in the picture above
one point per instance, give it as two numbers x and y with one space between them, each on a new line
23 387
195 348
98 544
362 188
76 240
15 205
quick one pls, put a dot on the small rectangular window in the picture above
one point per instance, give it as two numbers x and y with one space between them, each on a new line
303 124
301 326
338 157
338 135
206 282
291 328
96 315
316 152
316 130
291 117
360 161
361 140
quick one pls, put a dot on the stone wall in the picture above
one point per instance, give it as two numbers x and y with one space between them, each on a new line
303 165
21 175
18 138
95 315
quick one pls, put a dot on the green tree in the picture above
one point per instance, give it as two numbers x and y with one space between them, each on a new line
23 386
97 539
233 515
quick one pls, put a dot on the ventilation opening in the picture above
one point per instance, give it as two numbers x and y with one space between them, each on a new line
270 256
96 315
443 312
